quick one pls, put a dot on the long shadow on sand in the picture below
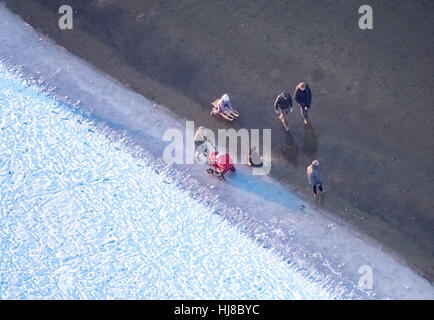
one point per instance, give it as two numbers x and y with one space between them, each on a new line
310 141
290 149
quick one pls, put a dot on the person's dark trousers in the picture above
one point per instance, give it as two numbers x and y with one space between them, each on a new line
304 112
319 187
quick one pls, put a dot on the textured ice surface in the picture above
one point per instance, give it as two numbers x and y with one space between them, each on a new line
82 218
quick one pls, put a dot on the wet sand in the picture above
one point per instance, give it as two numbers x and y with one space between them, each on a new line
372 90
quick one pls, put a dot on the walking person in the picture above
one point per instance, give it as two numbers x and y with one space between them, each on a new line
282 105
303 96
314 177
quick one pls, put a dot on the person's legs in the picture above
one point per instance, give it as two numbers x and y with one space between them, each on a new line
303 114
284 118
314 190
320 188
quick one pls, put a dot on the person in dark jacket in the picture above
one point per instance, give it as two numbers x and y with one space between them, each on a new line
303 96
314 177
282 105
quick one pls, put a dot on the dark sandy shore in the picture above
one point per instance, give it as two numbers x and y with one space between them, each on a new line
373 90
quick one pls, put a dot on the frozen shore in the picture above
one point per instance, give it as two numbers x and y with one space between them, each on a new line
314 243
82 218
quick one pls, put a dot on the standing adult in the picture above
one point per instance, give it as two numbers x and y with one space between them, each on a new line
314 177
303 96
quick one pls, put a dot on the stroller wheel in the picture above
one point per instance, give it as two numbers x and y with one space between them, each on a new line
210 171
233 169
221 177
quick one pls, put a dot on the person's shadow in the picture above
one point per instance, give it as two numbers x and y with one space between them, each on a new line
290 149
310 141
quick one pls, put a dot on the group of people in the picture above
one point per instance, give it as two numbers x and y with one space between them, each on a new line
282 105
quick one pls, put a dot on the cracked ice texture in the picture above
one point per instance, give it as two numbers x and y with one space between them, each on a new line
82 218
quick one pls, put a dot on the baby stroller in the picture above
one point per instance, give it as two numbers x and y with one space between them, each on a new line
219 164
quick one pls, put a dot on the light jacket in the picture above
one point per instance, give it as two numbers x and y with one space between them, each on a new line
313 175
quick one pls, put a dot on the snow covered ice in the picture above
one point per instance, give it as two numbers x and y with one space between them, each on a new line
82 218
